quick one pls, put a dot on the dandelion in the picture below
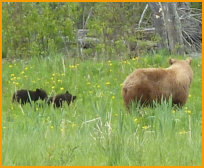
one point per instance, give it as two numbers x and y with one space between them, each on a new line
16 83
22 72
73 125
88 83
10 66
59 80
173 111
14 78
51 126
37 109
63 74
145 127
113 97
109 61
47 83
98 86
198 65
61 88
53 87
189 95
107 83
110 64
135 120
182 132
115 115
25 76
121 84
188 112
135 58
53 74
4 127
72 66
12 75
26 68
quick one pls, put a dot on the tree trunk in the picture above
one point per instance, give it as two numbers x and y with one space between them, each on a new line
168 26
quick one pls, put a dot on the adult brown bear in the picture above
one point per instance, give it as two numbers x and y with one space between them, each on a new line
152 84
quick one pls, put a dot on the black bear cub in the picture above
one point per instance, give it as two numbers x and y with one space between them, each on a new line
59 99
24 96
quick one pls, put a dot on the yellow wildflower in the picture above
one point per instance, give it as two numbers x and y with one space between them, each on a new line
12 75
188 111
73 125
88 83
113 97
145 127
10 66
107 83
53 87
61 88
189 95
51 126
182 132
22 72
135 120
115 115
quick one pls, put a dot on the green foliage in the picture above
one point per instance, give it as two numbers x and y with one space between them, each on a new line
96 129
36 29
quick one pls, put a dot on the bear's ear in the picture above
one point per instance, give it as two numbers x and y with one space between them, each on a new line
189 60
67 92
171 61
37 90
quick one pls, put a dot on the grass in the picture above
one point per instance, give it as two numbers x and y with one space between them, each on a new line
96 129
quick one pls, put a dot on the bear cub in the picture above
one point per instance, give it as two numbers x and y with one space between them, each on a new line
59 99
24 96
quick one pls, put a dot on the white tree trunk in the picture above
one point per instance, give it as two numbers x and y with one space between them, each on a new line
168 26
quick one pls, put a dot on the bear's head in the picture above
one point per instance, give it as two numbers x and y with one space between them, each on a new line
69 97
183 62
41 94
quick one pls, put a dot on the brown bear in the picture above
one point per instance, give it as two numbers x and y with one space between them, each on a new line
24 96
58 99
152 84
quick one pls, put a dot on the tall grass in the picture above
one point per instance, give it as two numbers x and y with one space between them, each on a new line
96 129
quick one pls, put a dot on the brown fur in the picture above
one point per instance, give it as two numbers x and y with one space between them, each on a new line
151 84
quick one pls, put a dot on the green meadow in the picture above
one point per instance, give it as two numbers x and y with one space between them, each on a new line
96 128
